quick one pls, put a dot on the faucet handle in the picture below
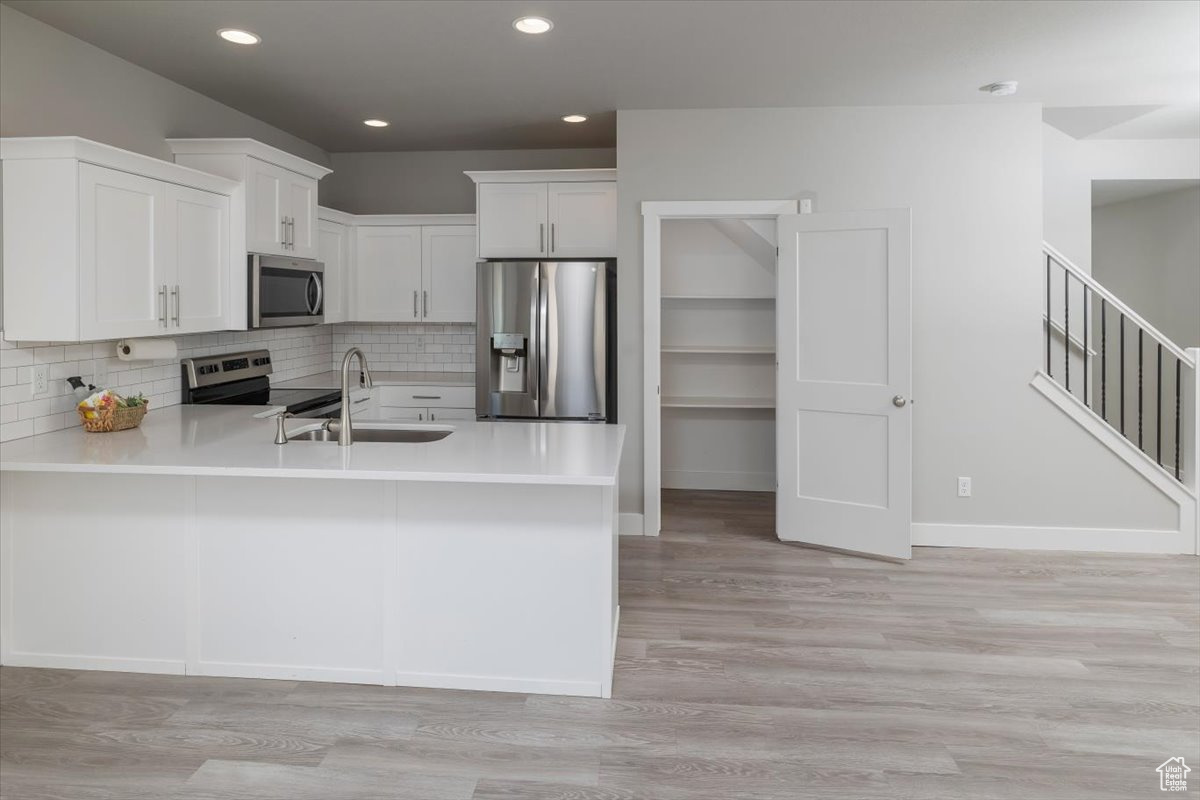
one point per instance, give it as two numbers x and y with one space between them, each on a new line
280 431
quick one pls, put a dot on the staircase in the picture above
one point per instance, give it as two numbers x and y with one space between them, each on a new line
1123 380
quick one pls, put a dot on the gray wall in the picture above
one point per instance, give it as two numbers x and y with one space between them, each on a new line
972 176
52 84
1147 251
433 182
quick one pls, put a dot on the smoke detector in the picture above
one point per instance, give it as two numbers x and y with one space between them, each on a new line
1000 88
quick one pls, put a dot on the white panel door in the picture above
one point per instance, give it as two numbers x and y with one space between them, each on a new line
448 273
445 414
512 220
333 250
418 414
198 235
583 219
266 201
844 424
122 255
301 214
387 274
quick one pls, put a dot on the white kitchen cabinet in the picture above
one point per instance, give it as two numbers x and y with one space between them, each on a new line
448 273
446 414
334 250
107 244
512 220
387 274
583 219
405 271
547 213
425 403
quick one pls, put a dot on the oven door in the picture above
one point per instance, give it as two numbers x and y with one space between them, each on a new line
286 292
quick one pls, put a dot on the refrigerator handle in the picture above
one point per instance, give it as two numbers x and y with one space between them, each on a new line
533 352
546 399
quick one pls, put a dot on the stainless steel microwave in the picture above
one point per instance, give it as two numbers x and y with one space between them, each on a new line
286 292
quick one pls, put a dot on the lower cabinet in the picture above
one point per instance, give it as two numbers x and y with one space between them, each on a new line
425 403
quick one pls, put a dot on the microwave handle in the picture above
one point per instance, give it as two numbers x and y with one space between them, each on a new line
314 308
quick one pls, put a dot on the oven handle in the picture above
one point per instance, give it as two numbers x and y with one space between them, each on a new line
314 308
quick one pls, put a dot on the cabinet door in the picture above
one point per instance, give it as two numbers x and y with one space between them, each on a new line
446 414
198 234
266 207
301 212
583 220
123 255
333 250
387 274
448 273
512 220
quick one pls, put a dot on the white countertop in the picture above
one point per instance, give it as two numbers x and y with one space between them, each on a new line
333 380
230 441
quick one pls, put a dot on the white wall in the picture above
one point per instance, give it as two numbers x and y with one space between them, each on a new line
432 182
1071 165
973 178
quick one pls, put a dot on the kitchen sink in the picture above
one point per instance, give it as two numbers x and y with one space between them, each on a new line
368 432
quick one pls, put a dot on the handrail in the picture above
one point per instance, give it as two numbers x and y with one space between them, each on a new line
1115 302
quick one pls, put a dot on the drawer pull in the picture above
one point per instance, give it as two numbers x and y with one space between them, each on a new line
427 397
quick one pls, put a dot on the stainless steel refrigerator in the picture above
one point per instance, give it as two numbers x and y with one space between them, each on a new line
545 340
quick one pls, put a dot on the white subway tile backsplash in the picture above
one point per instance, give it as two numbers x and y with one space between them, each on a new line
295 352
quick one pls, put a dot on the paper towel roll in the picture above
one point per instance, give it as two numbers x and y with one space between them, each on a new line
146 349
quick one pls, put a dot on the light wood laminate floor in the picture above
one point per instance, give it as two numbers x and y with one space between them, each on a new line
746 669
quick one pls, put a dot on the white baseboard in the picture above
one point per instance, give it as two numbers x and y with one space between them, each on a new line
631 524
1017 537
490 683
287 672
718 481
154 666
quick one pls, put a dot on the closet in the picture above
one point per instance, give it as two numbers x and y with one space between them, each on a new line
717 355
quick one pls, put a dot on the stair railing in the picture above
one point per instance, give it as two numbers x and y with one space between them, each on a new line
1152 404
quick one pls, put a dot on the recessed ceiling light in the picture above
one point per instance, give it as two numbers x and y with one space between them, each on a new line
574 118
239 37
532 24
1000 88
375 123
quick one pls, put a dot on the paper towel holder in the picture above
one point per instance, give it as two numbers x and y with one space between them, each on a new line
146 349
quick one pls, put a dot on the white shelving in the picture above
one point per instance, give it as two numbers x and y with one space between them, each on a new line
718 345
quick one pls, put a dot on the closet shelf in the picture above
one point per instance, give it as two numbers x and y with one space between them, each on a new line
716 349
701 297
680 401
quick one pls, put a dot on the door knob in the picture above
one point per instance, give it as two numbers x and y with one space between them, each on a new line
898 401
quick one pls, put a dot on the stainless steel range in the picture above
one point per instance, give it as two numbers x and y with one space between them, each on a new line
241 379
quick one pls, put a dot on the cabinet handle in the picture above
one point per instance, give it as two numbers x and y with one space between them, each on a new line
283 242
292 232
427 397
162 305
425 303
420 416
414 303
432 416
541 237
175 298
551 237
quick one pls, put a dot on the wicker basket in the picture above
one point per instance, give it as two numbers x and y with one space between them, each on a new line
112 418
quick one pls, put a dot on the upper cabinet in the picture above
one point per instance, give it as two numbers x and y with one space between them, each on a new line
547 213
108 244
274 207
335 236
413 268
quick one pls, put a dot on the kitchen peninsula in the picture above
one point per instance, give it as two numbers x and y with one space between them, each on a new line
194 545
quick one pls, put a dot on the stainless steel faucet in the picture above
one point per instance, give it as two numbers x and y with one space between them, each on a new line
345 432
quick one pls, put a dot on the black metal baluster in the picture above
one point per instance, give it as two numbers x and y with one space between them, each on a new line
1067 327
1178 381
1158 409
1140 332
1048 332
1123 373
1103 359
1087 389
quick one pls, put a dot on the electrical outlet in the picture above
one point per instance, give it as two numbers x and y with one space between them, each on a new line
964 487
419 345
806 205
41 379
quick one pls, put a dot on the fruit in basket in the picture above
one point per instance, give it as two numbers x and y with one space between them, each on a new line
132 402
106 399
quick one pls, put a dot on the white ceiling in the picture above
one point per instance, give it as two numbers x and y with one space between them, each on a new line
1108 192
453 74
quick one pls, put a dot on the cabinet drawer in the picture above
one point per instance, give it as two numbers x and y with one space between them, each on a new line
445 396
